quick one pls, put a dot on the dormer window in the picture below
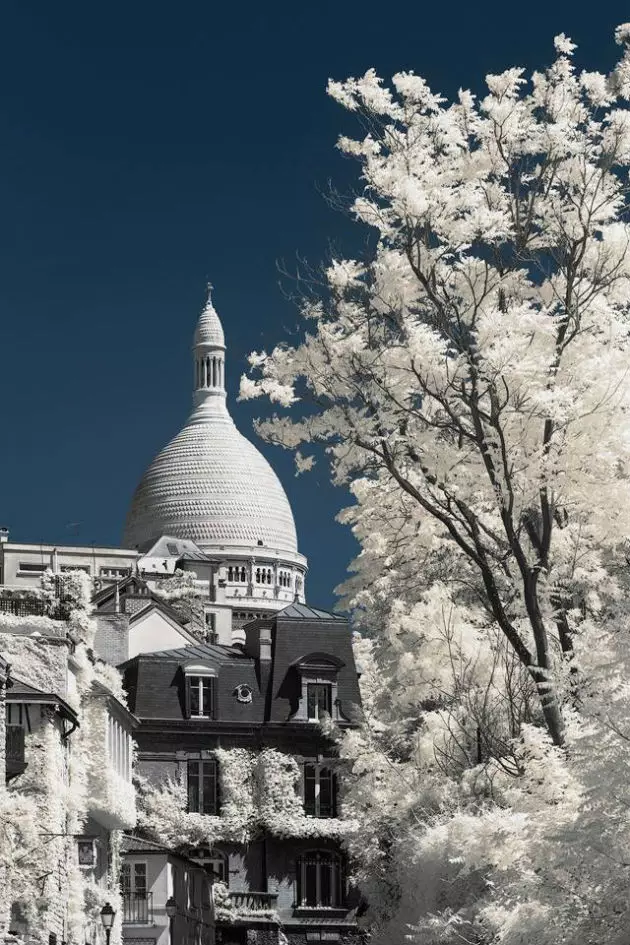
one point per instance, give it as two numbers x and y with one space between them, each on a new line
200 691
318 687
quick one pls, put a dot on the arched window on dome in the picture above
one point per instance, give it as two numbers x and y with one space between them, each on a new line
230 574
257 575
269 576
243 575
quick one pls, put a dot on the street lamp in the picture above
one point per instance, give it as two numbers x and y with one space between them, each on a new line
107 918
171 911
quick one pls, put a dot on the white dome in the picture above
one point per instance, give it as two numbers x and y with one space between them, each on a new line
210 484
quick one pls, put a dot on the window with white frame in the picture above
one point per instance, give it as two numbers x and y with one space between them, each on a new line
199 693
319 880
319 790
318 700
317 674
134 879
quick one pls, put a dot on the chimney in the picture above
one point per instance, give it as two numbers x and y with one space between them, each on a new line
265 644
4 534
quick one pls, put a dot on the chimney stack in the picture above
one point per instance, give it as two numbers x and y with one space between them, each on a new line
4 535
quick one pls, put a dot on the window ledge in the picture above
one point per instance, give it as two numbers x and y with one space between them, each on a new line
328 910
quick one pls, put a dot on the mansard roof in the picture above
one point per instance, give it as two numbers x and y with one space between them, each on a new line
304 641
304 612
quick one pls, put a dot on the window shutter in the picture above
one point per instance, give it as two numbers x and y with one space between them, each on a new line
187 695
193 787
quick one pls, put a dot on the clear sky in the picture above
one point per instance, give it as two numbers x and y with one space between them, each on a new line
149 147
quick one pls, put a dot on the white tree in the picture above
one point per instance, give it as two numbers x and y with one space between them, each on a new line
470 382
476 367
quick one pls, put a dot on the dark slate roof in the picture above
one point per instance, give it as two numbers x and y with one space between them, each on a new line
200 651
133 844
302 612
155 683
21 691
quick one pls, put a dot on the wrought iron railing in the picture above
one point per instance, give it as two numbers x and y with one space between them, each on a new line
33 607
137 908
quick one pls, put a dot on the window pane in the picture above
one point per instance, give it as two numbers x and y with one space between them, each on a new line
309 894
326 793
193 786
309 789
311 694
323 699
140 870
209 805
325 881
195 707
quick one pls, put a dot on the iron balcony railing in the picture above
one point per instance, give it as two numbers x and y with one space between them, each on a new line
32 607
137 908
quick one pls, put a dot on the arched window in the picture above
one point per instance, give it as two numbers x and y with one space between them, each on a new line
319 879
230 574
207 372
269 576
214 862
257 575
243 575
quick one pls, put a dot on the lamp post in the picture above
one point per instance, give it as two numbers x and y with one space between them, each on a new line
171 911
107 918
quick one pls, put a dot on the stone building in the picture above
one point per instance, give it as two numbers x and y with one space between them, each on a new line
240 772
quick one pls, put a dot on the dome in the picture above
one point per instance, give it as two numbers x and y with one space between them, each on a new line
209 329
210 484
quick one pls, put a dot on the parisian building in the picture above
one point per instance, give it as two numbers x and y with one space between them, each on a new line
231 684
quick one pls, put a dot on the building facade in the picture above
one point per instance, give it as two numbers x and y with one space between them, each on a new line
240 772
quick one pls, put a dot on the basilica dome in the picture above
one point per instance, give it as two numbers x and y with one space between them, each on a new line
210 484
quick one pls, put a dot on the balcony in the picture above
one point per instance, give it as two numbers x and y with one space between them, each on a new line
261 905
15 759
24 606
137 908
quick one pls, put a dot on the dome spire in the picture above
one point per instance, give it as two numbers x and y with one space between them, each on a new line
209 358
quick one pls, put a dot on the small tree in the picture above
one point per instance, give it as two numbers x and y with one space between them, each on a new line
471 377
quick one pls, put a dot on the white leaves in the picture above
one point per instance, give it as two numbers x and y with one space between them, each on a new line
563 44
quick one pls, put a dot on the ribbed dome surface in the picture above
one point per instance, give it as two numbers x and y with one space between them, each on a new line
212 485
209 329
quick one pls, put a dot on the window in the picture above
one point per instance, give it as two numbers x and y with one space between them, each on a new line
134 879
117 573
319 880
213 862
75 567
30 568
320 791
318 700
202 787
199 696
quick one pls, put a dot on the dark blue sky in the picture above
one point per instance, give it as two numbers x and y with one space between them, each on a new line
148 147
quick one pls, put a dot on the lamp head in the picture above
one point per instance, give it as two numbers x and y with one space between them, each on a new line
171 907
107 916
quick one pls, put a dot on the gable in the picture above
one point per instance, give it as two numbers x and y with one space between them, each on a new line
152 629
